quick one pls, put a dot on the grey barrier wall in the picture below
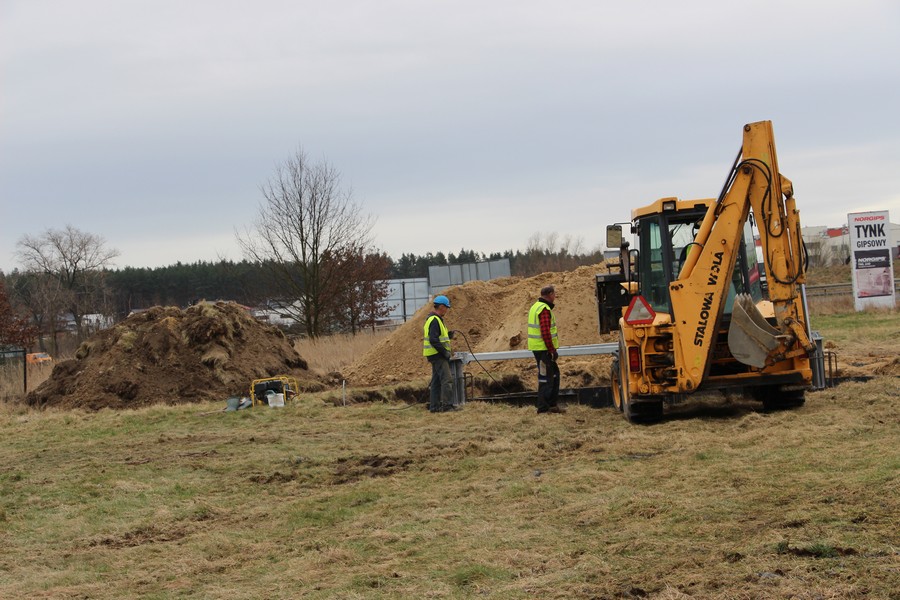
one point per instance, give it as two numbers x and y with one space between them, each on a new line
442 277
405 297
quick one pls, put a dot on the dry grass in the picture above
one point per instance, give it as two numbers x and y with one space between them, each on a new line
375 500
334 353
12 381
384 501
873 332
838 274
830 305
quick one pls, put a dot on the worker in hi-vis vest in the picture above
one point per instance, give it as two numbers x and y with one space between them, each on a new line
543 341
436 348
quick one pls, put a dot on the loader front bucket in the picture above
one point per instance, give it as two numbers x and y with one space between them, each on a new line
750 337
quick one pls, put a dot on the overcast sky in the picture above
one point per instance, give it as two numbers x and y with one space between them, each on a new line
463 124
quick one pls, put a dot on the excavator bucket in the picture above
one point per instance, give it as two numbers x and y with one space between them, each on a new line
750 337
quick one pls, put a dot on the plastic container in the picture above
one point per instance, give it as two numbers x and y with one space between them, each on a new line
276 399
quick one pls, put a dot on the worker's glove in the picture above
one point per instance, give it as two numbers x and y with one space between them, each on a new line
452 332
554 355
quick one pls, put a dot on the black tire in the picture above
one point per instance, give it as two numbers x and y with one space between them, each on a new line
616 385
644 411
619 379
635 411
777 398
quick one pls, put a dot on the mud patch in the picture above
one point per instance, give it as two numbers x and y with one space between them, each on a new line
348 470
510 383
276 477
891 368
359 396
141 536
411 395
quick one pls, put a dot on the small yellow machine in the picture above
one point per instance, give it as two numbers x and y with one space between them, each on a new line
273 391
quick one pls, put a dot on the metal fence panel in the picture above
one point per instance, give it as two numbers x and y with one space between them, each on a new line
405 297
444 276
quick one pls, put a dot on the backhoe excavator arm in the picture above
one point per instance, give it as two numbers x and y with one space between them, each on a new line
698 295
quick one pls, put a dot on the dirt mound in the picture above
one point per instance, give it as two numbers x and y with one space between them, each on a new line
868 365
892 367
168 355
492 316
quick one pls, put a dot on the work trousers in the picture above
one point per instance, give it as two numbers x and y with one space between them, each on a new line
441 398
548 381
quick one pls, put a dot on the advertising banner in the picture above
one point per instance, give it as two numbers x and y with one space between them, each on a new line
873 269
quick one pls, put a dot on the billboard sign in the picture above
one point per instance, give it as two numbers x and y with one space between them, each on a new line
873 269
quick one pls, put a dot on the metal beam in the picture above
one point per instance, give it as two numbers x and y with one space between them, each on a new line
589 349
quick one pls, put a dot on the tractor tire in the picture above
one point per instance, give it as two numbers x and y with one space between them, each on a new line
778 398
640 411
616 385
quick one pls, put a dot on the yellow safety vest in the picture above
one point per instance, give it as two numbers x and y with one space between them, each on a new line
535 340
427 348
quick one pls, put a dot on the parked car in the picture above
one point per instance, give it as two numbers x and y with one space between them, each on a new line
38 358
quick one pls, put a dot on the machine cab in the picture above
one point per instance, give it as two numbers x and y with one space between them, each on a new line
665 233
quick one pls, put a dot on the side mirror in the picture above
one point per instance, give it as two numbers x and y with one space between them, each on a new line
613 236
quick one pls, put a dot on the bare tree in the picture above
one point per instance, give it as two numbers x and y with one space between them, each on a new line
305 220
551 243
14 328
45 299
549 252
359 300
77 259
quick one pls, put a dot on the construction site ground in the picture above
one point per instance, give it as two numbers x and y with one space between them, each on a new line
124 478
212 351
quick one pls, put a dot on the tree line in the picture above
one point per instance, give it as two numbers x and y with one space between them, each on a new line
535 259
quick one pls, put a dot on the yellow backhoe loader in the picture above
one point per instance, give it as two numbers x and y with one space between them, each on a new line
688 302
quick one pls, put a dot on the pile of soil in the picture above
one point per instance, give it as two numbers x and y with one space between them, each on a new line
492 316
173 356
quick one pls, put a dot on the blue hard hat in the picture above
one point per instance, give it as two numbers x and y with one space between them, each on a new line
442 300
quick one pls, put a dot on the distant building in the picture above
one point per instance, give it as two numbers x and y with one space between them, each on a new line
96 321
277 313
832 244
